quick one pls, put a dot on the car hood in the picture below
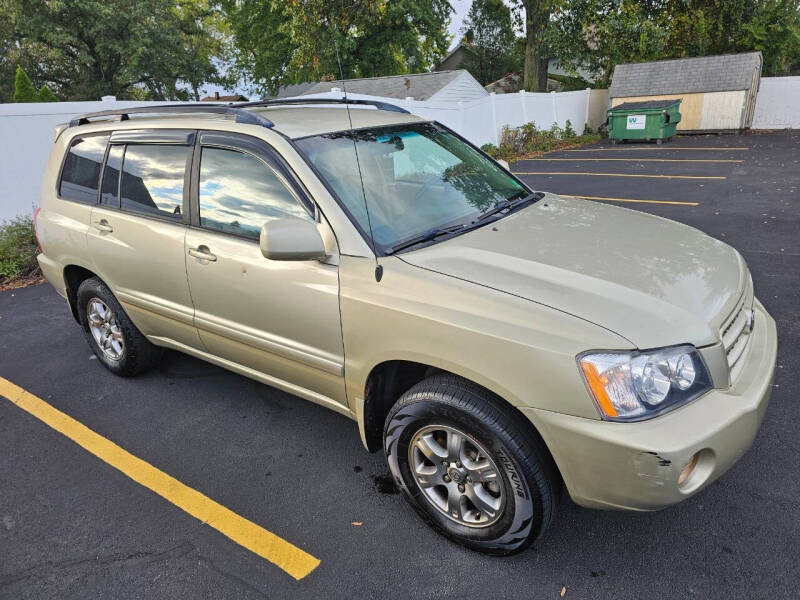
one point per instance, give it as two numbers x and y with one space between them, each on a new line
653 281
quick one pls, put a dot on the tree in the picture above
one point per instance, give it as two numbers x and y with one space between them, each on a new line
279 43
488 40
600 34
46 94
90 48
23 88
536 16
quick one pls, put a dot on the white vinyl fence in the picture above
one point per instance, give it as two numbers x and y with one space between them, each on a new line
481 121
778 103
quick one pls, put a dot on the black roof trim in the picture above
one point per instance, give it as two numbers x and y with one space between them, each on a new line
343 100
242 116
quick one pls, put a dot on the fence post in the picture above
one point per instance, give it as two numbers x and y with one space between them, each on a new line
495 133
524 106
555 108
588 106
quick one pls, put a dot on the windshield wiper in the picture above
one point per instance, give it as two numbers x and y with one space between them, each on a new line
427 236
509 205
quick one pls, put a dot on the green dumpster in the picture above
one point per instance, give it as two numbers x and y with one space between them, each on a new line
648 120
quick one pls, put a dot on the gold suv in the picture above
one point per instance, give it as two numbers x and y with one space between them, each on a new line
499 344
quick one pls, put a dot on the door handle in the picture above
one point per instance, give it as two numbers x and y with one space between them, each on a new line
203 253
102 225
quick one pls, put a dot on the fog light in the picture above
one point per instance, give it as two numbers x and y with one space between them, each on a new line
688 469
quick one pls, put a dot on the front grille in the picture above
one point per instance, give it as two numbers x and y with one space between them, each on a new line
735 332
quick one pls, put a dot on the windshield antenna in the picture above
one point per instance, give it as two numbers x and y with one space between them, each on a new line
378 266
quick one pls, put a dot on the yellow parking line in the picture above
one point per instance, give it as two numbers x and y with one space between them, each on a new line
669 160
632 200
721 149
276 550
621 175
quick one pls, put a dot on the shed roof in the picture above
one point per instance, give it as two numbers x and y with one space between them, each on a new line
420 86
722 73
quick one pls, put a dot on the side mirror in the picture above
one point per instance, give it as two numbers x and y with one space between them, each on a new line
504 164
291 239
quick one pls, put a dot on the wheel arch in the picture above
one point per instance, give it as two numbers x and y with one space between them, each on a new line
390 379
74 275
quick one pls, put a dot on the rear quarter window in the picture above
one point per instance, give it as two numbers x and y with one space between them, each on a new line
80 175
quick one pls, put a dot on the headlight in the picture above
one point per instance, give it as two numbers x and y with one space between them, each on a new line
631 386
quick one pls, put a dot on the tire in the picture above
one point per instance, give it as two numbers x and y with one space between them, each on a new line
521 496
112 336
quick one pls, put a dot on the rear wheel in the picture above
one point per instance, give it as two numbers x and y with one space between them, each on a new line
469 467
112 336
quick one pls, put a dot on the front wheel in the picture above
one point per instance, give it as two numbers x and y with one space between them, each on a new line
470 468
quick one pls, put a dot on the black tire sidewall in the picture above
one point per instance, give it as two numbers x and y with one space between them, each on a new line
522 520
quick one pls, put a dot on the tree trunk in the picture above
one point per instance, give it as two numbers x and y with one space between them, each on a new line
535 71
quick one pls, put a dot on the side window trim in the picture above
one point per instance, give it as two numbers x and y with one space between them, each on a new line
64 158
258 149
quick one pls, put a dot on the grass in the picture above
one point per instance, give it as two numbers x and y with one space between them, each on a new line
18 250
527 141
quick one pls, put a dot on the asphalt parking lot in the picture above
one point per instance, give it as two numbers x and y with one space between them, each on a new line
72 526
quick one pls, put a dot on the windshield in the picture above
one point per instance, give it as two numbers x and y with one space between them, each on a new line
417 178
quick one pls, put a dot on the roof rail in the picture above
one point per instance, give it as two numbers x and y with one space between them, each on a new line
242 116
343 100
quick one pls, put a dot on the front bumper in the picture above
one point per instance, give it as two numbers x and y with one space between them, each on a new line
635 466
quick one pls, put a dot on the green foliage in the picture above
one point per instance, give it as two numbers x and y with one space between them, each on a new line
18 249
600 34
516 142
85 49
489 40
46 94
491 150
279 43
23 88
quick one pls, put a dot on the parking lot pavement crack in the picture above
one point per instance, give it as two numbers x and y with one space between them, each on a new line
228 575
182 549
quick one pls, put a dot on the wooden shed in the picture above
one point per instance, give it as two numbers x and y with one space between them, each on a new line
718 93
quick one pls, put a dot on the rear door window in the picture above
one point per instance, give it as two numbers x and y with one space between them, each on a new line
80 176
152 180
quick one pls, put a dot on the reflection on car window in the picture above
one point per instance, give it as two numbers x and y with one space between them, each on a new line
152 179
109 193
416 178
239 193
81 173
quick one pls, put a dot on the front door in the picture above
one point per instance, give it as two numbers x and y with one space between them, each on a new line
277 318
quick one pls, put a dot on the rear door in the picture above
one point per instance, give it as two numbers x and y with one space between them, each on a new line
277 318
136 235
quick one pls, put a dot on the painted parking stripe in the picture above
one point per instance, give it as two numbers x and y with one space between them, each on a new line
667 160
609 199
620 175
290 558
647 148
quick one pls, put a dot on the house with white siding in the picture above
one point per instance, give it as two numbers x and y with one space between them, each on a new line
438 86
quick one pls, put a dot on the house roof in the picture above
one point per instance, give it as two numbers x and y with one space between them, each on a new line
420 86
686 75
217 98
289 91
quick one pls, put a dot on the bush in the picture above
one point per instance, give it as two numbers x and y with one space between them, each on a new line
490 149
23 88
18 250
528 139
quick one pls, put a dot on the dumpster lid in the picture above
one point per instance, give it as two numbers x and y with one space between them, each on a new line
645 104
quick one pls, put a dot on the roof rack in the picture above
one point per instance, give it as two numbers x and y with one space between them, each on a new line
343 100
242 116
